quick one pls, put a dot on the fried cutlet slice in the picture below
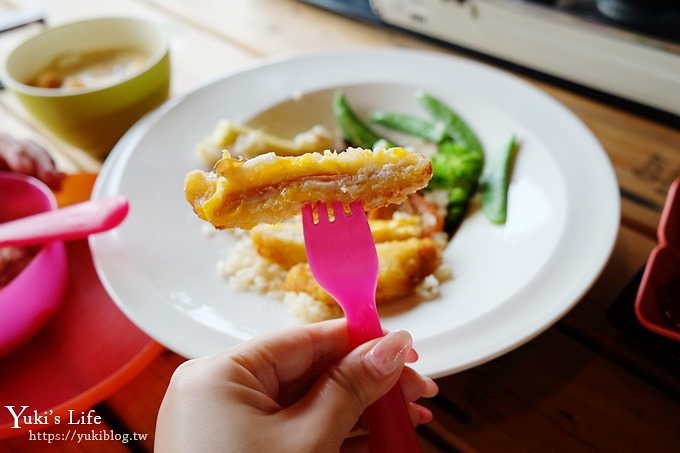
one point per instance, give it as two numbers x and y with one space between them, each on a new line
403 265
283 243
245 141
271 188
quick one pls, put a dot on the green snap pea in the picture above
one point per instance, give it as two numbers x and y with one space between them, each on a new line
459 161
495 182
434 132
456 128
353 129
457 166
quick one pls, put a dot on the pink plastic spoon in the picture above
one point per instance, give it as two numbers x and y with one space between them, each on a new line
73 222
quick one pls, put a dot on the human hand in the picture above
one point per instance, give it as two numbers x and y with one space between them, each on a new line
29 158
301 390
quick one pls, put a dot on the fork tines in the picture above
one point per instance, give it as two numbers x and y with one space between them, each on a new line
337 211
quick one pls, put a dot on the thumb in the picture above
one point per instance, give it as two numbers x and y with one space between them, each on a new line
355 382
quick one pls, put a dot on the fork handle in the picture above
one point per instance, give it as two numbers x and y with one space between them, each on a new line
389 424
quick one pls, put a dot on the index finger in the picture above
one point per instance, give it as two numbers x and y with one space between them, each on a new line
291 354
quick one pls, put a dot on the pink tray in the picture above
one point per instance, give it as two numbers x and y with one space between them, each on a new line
657 305
83 355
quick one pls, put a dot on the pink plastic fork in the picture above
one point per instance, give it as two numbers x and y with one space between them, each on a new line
343 260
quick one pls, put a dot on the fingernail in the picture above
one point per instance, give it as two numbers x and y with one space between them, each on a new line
431 388
412 356
390 353
424 415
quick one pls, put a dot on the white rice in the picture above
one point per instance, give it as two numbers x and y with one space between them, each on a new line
246 270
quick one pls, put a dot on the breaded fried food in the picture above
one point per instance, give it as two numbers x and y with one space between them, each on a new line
244 141
271 188
283 243
403 265
397 228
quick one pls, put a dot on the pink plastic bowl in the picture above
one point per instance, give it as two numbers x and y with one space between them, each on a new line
32 297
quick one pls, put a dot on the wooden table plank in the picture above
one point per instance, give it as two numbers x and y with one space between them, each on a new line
554 394
589 320
645 153
19 129
274 27
639 217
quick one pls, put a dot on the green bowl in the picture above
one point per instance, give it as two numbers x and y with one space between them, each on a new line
92 119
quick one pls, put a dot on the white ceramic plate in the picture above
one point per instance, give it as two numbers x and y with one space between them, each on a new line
510 282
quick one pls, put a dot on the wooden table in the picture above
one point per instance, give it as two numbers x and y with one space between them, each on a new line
592 382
